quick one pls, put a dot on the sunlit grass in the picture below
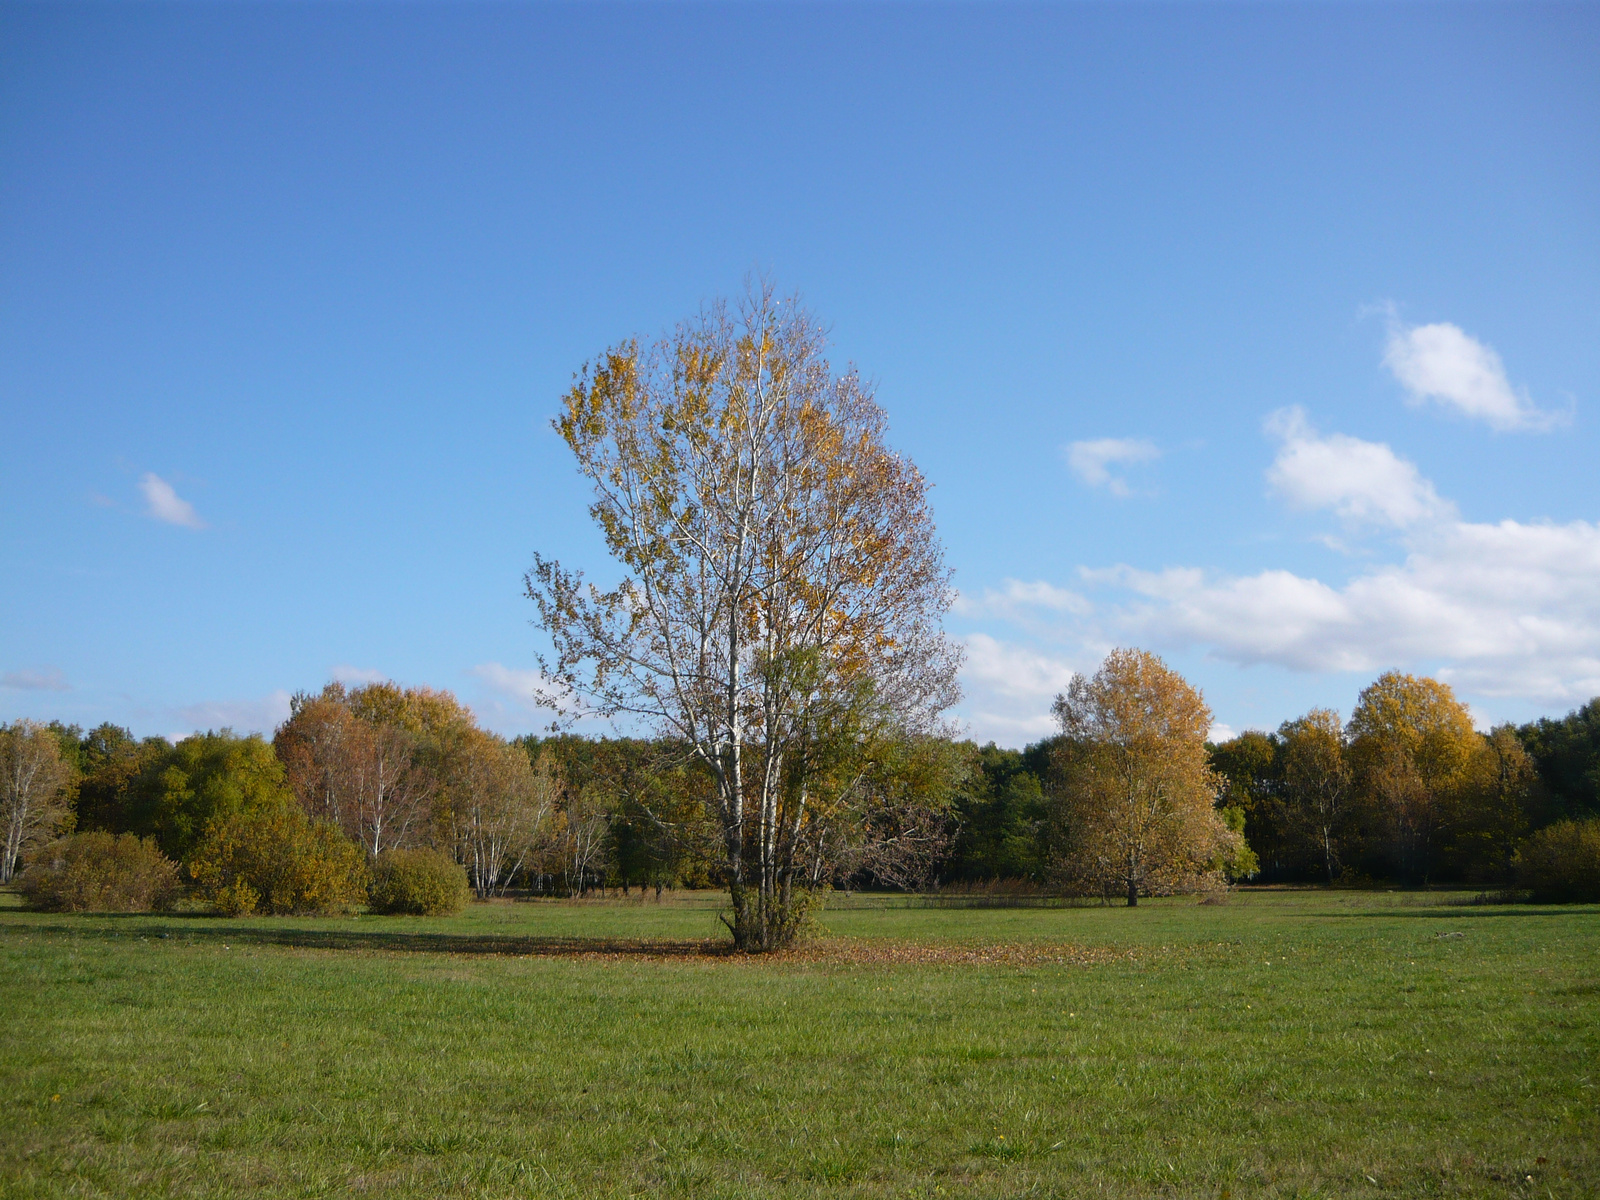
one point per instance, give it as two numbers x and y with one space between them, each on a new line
1286 1044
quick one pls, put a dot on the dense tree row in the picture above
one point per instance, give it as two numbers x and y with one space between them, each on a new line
1405 791
350 777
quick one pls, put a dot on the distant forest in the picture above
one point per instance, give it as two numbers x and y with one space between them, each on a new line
1315 801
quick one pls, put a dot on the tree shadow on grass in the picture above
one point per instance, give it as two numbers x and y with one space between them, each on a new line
394 941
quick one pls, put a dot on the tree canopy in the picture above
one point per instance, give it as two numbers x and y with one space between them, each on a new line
1138 792
779 612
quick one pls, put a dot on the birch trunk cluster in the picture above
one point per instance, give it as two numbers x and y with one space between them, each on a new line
34 805
503 806
1316 778
397 768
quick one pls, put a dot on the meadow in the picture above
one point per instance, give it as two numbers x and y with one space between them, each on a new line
1287 1043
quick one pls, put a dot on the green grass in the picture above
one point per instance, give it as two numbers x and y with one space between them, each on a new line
1285 1044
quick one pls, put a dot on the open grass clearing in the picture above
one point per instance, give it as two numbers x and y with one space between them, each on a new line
1285 1044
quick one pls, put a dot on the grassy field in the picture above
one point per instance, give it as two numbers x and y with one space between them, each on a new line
1284 1044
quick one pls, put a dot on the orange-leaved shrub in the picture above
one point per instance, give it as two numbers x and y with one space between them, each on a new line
101 872
1560 864
275 859
419 882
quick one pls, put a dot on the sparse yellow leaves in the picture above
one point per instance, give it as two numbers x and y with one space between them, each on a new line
785 580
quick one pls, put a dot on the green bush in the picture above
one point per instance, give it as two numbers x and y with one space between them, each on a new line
277 860
421 882
101 872
1561 863
180 791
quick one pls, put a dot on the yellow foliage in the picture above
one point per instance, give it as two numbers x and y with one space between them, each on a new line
1421 720
1139 794
277 860
782 575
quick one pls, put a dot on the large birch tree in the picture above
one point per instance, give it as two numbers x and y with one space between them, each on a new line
782 583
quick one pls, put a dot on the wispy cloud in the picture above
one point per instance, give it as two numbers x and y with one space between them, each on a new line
509 702
1017 597
1442 363
262 715
518 685
1091 461
1505 609
164 504
1363 482
345 673
1009 688
50 679
1015 671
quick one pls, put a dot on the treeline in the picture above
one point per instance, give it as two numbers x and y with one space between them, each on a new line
1406 791
356 776
362 782
360 792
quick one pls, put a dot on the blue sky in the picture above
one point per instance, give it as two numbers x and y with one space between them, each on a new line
1267 337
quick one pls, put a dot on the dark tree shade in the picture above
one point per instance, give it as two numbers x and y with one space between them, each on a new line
1002 812
1567 752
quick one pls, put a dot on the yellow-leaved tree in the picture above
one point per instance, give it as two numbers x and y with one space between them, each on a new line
1415 755
1137 795
376 760
1316 780
504 806
275 859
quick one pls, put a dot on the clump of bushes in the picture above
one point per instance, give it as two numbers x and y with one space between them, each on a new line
102 872
1560 864
275 859
420 882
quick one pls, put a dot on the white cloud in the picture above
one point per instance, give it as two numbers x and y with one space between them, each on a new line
1363 482
345 673
1510 609
1009 689
50 679
164 504
1010 729
1504 610
1441 363
1013 671
510 705
1091 461
244 716
1017 596
511 683
1219 733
